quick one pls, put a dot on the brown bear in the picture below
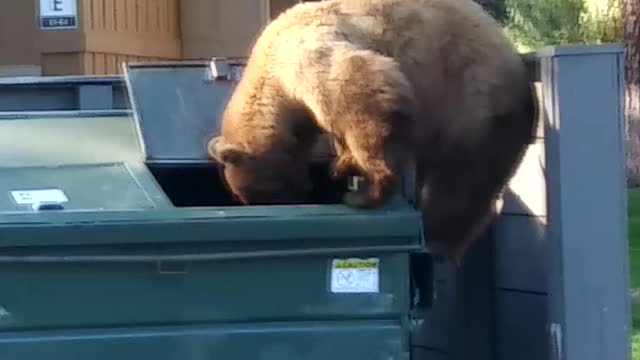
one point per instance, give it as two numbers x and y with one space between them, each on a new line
434 84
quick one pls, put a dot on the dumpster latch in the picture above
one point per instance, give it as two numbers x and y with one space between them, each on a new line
224 69
47 205
172 267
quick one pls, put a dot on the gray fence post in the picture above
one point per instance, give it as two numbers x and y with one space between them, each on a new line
588 300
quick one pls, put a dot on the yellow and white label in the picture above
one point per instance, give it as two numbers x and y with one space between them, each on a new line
355 275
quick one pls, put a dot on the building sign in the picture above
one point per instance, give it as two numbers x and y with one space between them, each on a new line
58 14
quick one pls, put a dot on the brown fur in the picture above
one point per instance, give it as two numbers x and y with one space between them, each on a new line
435 82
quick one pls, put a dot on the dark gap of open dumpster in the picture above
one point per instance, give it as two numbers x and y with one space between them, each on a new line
188 185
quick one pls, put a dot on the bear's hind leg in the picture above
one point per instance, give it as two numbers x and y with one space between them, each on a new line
455 218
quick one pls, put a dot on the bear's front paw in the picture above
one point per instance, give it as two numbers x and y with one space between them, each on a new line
359 199
344 165
367 194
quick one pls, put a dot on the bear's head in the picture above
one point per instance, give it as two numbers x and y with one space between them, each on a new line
273 177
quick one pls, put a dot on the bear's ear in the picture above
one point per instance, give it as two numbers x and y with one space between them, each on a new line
224 152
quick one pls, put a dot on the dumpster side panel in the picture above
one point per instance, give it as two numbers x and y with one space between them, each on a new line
90 295
379 340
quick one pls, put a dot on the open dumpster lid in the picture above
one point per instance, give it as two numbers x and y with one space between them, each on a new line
177 106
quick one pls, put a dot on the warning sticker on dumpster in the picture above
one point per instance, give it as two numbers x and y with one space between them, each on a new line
28 197
355 275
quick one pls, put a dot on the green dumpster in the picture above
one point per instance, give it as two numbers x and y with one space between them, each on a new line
118 240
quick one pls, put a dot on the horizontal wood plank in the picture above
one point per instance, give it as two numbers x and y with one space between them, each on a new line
520 245
521 322
418 353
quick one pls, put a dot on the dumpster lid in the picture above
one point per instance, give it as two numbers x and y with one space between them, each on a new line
177 105
256 229
67 137
99 188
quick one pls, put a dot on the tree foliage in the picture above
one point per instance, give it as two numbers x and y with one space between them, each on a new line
497 8
536 23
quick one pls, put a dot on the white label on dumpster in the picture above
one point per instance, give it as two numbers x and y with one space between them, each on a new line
355 275
39 196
